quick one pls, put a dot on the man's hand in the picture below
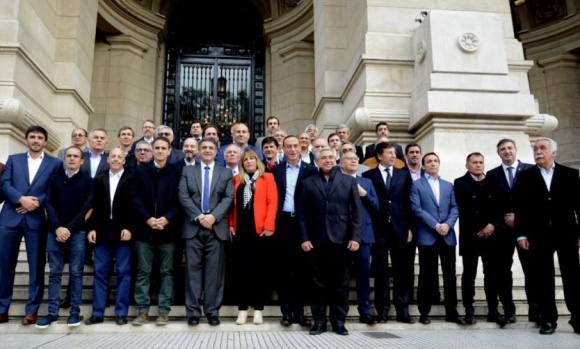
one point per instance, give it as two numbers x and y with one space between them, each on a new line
307 246
508 219
524 244
207 221
353 246
442 229
361 190
92 237
28 204
486 231
409 236
232 233
125 235
62 234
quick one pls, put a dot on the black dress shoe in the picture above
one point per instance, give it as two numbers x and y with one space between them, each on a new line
383 317
424 319
302 320
193 321
547 328
470 319
510 319
340 329
366 319
93 320
497 318
213 320
121 320
317 329
457 319
286 320
406 319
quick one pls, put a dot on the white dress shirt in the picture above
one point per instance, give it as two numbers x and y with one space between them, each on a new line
33 166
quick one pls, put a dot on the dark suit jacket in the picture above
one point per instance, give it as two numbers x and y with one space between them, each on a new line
548 217
371 206
16 183
1 172
370 152
501 192
428 213
395 202
359 153
334 214
102 168
220 200
476 210
123 215
158 201
279 172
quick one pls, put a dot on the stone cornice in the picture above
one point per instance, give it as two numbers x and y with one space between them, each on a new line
297 49
14 113
290 21
558 37
127 43
132 19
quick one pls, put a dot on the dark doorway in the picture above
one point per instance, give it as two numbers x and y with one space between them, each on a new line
215 67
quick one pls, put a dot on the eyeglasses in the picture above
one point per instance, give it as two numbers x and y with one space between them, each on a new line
142 150
148 127
77 135
164 134
346 150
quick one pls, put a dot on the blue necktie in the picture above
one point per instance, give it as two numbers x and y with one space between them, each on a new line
510 176
206 183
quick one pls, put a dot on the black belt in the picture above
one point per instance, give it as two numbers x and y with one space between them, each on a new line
289 214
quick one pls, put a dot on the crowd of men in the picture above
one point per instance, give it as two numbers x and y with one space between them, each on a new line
145 208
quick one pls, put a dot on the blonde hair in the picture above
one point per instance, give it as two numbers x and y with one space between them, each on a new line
259 164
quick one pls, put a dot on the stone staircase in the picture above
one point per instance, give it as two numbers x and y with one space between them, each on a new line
271 311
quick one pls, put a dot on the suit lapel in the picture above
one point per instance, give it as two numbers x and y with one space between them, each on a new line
41 169
320 185
25 170
197 177
430 190
214 180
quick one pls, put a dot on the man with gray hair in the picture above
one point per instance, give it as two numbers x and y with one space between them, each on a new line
95 160
167 132
312 131
344 133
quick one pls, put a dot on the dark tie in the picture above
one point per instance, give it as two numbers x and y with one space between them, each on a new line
206 183
510 176
388 181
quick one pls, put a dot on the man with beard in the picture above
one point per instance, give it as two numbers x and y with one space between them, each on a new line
189 149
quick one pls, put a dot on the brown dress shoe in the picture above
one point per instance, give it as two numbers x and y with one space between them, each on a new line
29 319
3 318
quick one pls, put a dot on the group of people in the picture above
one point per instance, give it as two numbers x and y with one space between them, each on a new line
300 215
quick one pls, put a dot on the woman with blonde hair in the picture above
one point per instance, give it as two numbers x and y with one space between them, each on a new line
252 222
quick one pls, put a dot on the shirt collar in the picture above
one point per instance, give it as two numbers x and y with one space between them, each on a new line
295 166
382 168
38 158
428 176
69 176
116 175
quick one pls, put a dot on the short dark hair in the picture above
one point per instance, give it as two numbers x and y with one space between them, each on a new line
208 139
268 140
123 128
210 126
164 139
82 129
410 145
505 140
382 123
381 147
36 128
290 136
429 153
476 153
330 136
196 121
272 117
73 147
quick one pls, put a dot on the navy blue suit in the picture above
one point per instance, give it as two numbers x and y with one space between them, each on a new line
13 226
392 225
362 265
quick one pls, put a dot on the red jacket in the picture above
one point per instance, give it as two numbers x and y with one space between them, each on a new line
265 203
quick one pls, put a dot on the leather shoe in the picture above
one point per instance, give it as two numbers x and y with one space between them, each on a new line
318 328
366 319
340 329
424 319
286 320
213 320
406 319
510 319
29 319
193 321
470 319
497 318
121 320
383 317
457 319
3 318
547 328
302 320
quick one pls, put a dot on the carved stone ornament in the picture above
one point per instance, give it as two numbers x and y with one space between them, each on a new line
420 51
469 42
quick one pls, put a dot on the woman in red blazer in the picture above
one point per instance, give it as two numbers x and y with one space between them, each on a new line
252 222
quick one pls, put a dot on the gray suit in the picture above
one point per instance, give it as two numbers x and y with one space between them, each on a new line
200 242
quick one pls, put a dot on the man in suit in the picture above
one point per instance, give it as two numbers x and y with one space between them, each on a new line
312 131
434 206
270 150
362 262
292 281
344 133
501 183
68 200
393 233
547 198
413 160
232 156
157 225
382 129
477 238
95 160
142 155
110 226
272 124
174 154
79 139
348 146
148 129
206 192
241 136
329 214
24 185
305 154
125 137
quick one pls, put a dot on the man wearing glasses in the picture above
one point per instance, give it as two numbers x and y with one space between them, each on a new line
347 147
78 139
148 129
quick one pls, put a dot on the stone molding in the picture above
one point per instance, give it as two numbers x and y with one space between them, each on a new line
14 113
561 36
127 43
291 21
132 19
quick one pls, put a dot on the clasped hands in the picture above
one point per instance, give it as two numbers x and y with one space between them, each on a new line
157 223
27 204
486 231
206 220
352 246
442 229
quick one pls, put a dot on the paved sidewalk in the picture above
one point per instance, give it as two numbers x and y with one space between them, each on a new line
414 336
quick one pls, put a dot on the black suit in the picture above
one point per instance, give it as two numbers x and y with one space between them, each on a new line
329 215
549 219
370 152
476 211
359 153
291 268
86 166
503 202
392 225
